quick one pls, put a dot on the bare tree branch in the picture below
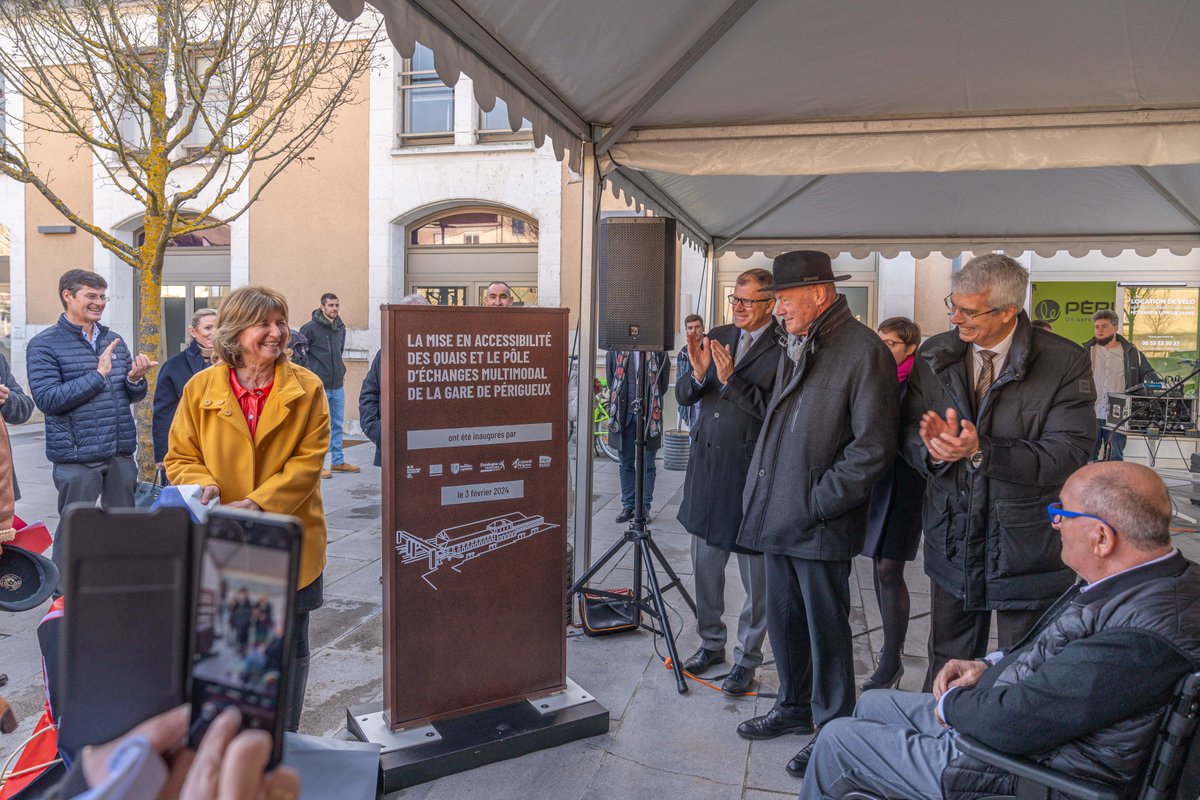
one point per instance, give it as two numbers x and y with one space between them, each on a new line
191 108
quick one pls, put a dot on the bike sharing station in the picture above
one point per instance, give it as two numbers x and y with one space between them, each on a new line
474 452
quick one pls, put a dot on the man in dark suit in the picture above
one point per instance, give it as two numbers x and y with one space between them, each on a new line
829 433
732 372
997 416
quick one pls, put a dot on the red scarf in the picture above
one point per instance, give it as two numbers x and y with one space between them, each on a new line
905 367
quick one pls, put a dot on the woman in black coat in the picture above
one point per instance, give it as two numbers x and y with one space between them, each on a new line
174 374
894 522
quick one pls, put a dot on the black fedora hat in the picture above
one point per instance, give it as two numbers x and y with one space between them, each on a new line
26 579
802 268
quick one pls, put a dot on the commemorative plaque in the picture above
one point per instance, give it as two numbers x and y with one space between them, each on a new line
474 508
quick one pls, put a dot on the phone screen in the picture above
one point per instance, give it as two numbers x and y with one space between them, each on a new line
243 617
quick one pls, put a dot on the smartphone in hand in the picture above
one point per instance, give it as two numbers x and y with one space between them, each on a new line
243 621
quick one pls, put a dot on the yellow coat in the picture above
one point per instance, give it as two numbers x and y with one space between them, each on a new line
280 469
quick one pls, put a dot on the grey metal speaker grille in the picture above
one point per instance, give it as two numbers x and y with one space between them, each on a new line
637 283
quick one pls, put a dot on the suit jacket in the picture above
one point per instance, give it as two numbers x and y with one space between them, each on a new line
724 435
279 468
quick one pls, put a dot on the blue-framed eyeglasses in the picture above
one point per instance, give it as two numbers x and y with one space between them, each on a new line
1057 513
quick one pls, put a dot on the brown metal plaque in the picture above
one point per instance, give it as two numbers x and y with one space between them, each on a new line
474 407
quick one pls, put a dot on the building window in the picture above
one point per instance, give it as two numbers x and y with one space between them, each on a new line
452 257
426 104
214 103
494 126
474 228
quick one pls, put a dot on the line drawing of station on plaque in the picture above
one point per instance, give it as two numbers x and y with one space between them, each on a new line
461 544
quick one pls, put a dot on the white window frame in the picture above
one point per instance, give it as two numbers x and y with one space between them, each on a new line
404 84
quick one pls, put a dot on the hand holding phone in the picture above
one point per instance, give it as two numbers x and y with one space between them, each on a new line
242 635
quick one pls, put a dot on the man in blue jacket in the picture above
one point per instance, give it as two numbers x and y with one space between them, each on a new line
83 378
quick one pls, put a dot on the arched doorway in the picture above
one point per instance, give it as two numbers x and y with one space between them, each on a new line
195 276
451 256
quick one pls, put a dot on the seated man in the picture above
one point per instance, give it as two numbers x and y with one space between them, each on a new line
1083 693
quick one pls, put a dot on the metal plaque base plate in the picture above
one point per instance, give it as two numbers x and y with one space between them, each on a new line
484 737
573 695
373 728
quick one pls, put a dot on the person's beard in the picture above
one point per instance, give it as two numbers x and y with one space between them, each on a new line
1105 342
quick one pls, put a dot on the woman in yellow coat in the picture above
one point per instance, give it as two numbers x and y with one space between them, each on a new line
253 430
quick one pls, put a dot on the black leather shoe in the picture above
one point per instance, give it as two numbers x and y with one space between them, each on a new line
799 763
625 515
772 724
738 681
702 659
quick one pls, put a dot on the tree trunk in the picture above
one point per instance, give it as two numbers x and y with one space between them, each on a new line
149 338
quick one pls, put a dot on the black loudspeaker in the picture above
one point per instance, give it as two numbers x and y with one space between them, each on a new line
637 283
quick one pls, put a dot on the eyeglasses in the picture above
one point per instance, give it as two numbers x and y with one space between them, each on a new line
1057 514
743 302
952 309
96 298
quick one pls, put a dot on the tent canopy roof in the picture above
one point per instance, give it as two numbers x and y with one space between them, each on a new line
949 122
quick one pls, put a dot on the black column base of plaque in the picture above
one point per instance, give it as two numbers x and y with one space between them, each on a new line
484 737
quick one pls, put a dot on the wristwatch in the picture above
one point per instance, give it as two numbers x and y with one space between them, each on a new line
976 459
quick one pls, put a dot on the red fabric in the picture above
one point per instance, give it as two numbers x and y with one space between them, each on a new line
905 367
42 749
251 400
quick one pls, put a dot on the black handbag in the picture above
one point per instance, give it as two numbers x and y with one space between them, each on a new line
602 616
147 492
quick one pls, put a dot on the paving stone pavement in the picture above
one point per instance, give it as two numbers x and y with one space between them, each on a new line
660 743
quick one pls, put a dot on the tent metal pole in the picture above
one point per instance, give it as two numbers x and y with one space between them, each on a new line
653 192
589 257
699 48
1168 195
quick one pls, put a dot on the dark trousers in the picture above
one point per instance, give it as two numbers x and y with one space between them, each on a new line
957 633
308 599
808 621
628 473
111 481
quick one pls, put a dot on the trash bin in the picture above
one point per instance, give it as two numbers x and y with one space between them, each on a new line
676 449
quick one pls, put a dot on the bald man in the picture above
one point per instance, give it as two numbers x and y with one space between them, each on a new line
1083 693
498 295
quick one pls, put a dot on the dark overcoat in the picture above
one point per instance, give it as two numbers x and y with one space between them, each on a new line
724 436
173 375
830 432
894 516
988 539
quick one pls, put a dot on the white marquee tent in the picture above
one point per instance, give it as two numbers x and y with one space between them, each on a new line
912 125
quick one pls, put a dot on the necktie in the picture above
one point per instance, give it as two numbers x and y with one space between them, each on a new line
744 344
986 376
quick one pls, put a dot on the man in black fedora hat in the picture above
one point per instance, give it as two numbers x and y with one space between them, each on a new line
830 432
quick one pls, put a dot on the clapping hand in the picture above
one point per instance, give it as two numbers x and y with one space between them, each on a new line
3 393
722 356
141 365
699 355
946 439
104 366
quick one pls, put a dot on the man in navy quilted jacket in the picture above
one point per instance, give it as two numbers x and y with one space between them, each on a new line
84 379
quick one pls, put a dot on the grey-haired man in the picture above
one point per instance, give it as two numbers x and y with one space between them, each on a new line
998 414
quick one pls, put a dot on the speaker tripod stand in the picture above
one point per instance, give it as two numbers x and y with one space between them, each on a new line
645 551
